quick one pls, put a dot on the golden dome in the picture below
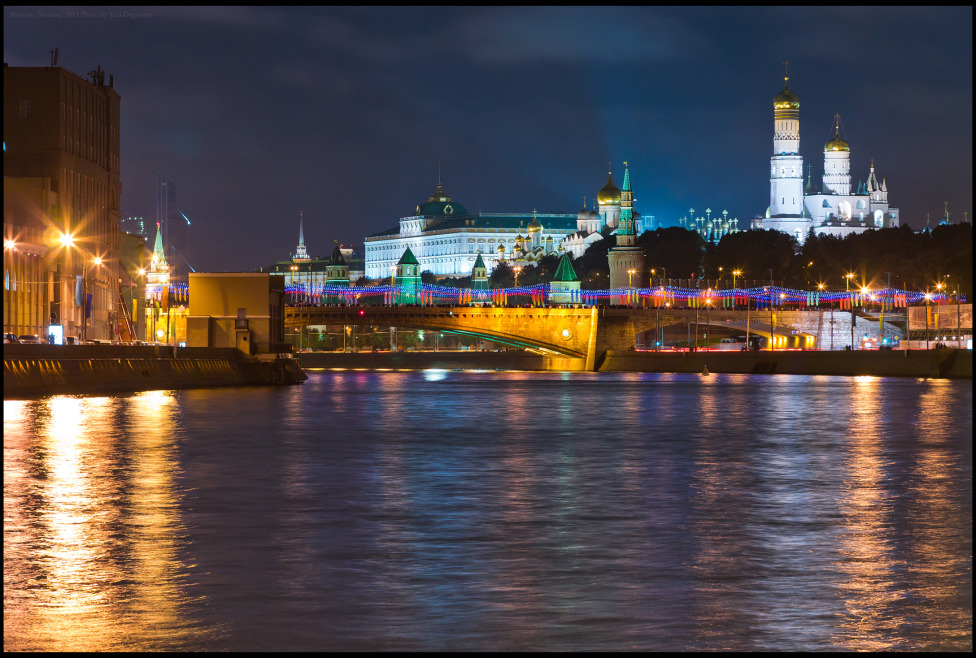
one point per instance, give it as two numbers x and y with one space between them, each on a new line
837 144
609 193
534 226
786 99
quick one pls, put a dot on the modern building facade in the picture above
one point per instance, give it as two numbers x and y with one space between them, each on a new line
134 225
61 201
175 225
833 208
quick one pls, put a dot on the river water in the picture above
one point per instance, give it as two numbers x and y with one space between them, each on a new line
444 510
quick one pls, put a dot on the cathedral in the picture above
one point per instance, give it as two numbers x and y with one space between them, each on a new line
447 240
833 208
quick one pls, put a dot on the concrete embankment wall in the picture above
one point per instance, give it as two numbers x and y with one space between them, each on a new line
37 370
947 363
932 363
514 360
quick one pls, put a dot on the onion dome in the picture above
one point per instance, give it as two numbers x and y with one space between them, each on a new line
836 144
501 249
534 226
609 193
786 104
786 99
584 213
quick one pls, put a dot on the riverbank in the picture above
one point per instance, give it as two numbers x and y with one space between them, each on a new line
31 371
947 363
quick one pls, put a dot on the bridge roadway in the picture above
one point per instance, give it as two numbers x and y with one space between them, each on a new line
575 338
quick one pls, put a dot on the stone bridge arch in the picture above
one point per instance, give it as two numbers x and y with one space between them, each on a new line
566 332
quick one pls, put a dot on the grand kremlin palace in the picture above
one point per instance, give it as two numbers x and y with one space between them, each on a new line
446 239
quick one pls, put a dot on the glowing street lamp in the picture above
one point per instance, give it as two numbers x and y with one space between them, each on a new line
96 262
847 285
708 306
664 273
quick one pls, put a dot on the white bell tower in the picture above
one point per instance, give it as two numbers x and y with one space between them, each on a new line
786 165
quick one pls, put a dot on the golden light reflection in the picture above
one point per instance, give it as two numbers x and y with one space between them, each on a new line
868 588
939 515
91 525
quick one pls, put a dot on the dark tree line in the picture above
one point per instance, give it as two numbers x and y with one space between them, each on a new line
915 261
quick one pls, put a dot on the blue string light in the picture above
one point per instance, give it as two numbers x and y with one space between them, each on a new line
662 294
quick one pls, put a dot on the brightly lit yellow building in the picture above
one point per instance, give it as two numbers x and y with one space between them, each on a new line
236 309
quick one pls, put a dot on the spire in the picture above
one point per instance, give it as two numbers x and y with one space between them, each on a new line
626 186
945 218
810 188
159 255
408 258
337 258
301 253
872 185
565 271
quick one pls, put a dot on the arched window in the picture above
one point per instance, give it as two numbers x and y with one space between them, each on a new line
878 218
860 204
13 279
6 279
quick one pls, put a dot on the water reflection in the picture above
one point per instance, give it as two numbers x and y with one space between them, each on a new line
939 516
494 511
91 532
869 588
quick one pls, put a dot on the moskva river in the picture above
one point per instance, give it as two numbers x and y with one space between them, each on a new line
493 511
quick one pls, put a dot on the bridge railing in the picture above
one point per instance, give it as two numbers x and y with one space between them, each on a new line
759 297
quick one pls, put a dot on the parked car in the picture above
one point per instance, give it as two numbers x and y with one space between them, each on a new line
29 339
72 340
10 338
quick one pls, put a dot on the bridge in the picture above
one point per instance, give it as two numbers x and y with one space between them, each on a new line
574 338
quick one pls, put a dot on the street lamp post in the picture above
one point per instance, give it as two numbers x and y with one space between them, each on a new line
735 273
630 285
772 318
664 274
847 278
926 319
708 304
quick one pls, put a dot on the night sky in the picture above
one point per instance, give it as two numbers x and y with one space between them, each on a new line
257 113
